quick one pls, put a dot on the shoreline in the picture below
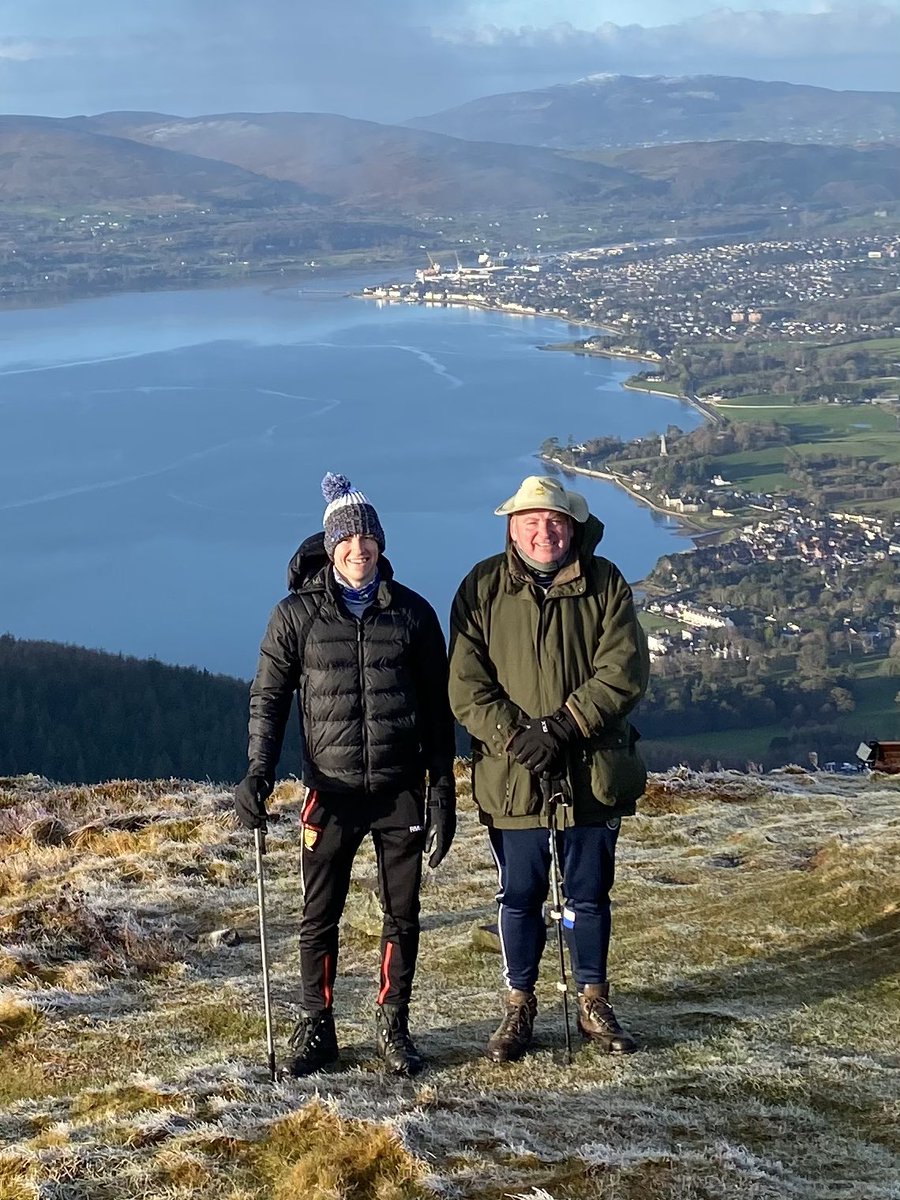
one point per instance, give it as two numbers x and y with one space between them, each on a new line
267 280
690 528
707 412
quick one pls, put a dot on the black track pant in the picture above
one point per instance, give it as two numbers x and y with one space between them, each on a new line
332 830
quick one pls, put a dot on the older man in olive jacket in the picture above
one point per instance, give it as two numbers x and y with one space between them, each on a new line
547 659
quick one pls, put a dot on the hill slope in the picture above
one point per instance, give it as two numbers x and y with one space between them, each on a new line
365 164
626 110
757 936
371 168
767 173
44 161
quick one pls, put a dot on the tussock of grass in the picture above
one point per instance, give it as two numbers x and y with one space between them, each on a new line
68 927
15 1178
185 1173
22 1077
49 1139
226 1020
317 1155
122 1100
14 968
16 1019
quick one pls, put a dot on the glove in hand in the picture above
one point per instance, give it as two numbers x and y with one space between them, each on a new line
440 822
250 798
538 745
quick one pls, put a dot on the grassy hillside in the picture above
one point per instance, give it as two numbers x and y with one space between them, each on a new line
757 935
45 162
366 164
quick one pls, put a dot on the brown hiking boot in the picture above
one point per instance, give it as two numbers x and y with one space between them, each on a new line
512 1036
597 1022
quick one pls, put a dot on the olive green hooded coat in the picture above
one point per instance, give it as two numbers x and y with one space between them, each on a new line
518 652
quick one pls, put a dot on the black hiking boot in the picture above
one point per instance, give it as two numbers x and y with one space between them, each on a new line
598 1023
315 1041
392 1040
512 1037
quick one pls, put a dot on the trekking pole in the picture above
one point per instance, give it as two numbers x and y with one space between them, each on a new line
259 837
552 800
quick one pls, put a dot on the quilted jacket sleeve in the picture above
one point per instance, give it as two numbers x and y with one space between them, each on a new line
272 692
435 719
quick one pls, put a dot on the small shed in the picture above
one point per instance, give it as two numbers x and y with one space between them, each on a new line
881 756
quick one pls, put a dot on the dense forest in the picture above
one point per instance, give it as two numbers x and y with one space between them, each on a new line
84 716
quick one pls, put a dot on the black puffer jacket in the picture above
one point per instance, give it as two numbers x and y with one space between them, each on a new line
372 692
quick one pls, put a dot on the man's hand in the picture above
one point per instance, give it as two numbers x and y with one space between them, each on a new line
440 821
540 742
250 798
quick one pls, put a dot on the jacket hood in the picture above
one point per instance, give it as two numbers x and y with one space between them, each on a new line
585 538
311 560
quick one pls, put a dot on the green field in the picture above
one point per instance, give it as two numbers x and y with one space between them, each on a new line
663 387
875 716
814 421
867 433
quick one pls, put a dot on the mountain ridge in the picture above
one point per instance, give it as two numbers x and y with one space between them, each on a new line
606 111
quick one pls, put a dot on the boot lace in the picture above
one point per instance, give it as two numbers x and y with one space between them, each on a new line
600 1010
516 1022
307 1034
396 1033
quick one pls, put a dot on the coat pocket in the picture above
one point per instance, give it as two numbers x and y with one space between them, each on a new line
501 787
618 773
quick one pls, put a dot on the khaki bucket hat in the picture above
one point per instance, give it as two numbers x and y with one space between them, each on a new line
541 491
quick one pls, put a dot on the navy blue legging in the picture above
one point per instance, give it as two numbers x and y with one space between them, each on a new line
587 855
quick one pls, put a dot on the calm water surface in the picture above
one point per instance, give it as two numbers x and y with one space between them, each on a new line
162 453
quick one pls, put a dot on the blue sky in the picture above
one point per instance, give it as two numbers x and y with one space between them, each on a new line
392 59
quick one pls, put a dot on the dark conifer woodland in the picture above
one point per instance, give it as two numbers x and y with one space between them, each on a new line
77 715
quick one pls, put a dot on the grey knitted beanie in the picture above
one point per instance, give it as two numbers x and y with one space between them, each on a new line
347 512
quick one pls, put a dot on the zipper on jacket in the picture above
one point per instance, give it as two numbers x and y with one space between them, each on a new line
362 700
542 599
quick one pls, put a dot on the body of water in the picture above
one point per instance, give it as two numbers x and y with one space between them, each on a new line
161 454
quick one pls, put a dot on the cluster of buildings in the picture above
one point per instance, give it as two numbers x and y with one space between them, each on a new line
663 293
835 545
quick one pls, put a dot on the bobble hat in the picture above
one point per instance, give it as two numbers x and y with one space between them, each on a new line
347 512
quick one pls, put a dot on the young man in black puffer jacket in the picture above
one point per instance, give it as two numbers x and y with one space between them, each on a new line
367 660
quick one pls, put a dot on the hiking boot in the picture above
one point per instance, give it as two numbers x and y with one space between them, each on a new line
512 1037
315 1041
392 1040
597 1022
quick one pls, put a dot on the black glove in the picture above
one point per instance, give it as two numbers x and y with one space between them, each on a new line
440 821
250 798
539 743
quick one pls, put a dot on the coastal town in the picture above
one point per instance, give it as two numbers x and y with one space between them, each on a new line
651 296
689 315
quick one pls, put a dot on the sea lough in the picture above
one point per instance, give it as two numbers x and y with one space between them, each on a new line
161 453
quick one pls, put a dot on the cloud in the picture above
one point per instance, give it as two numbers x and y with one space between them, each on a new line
399 58
854 45
28 50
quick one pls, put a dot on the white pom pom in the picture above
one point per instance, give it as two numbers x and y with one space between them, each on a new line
335 486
